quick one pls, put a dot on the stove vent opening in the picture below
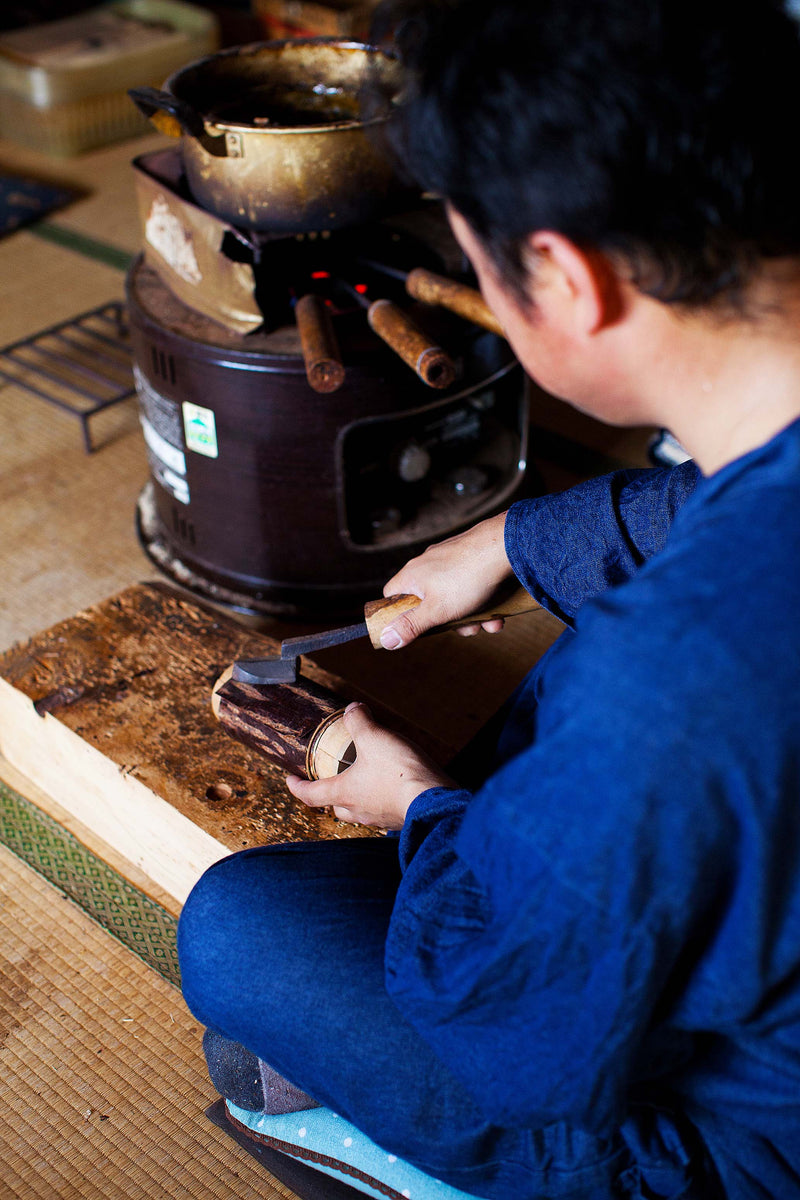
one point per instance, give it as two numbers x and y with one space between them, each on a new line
183 529
420 475
163 364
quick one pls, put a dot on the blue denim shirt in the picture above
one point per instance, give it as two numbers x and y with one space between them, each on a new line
610 928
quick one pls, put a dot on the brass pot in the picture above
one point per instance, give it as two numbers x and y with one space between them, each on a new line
275 135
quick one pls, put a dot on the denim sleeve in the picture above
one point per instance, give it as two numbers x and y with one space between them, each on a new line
569 547
434 814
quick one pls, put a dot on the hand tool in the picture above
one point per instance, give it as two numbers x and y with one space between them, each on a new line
431 363
430 288
323 360
260 672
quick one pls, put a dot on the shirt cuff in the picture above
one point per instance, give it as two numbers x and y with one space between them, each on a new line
425 812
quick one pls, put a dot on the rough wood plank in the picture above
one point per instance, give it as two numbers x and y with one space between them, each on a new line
110 713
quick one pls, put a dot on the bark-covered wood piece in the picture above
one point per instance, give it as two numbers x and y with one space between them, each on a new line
295 726
109 712
324 368
433 364
466 301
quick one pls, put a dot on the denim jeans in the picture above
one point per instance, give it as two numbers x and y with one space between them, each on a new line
281 949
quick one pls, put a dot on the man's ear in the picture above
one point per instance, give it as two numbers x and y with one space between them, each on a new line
582 281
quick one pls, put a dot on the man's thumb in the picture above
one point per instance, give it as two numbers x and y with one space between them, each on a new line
403 629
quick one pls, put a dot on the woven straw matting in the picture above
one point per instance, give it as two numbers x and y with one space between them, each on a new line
124 911
102 1080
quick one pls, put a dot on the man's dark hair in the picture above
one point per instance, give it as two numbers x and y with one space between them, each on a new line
659 130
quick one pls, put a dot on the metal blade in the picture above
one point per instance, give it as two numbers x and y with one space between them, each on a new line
259 672
293 647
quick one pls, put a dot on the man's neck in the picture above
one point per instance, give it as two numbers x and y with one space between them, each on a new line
738 407
725 386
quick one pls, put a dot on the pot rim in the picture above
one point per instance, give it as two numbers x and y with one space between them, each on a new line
251 49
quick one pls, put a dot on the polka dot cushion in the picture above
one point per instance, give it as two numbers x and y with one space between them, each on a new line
331 1144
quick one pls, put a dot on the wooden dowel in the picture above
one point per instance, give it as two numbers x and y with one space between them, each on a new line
324 367
432 364
296 726
465 301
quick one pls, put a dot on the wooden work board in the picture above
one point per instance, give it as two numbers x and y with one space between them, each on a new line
109 713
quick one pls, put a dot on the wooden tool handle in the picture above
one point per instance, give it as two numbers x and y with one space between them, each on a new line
433 364
324 367
465 301
380 613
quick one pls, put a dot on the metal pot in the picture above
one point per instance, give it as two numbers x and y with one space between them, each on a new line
273 136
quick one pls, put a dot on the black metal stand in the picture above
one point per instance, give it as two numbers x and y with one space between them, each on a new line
82 365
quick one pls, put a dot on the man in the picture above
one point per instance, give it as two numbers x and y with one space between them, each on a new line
584 979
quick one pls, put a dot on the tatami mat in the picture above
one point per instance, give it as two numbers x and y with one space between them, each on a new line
68 518
102 1080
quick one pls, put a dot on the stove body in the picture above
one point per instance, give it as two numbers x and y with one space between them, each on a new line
272 498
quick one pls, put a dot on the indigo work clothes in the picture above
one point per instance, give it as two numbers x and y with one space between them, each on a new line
596 956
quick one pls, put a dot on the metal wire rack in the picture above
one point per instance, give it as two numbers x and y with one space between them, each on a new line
82 366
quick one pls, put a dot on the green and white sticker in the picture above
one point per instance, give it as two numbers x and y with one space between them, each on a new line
200 429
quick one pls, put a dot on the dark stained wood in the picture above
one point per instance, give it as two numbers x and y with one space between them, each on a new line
133 678
109 713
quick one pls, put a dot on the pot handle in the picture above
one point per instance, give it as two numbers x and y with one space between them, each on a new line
168 113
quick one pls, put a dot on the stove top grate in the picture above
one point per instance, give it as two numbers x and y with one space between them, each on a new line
81 366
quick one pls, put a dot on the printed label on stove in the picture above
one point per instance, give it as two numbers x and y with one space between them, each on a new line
167 464
161 425
163 414
200 429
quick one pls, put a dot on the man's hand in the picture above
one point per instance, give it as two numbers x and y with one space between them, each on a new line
452 579
378 788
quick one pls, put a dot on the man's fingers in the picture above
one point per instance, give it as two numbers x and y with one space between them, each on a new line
358 719
320 793
494 626
407 627
489 627
313 792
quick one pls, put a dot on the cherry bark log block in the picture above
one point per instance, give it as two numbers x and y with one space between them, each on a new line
297 726
109 713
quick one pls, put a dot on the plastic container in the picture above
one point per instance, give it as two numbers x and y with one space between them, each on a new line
64 84
315 18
